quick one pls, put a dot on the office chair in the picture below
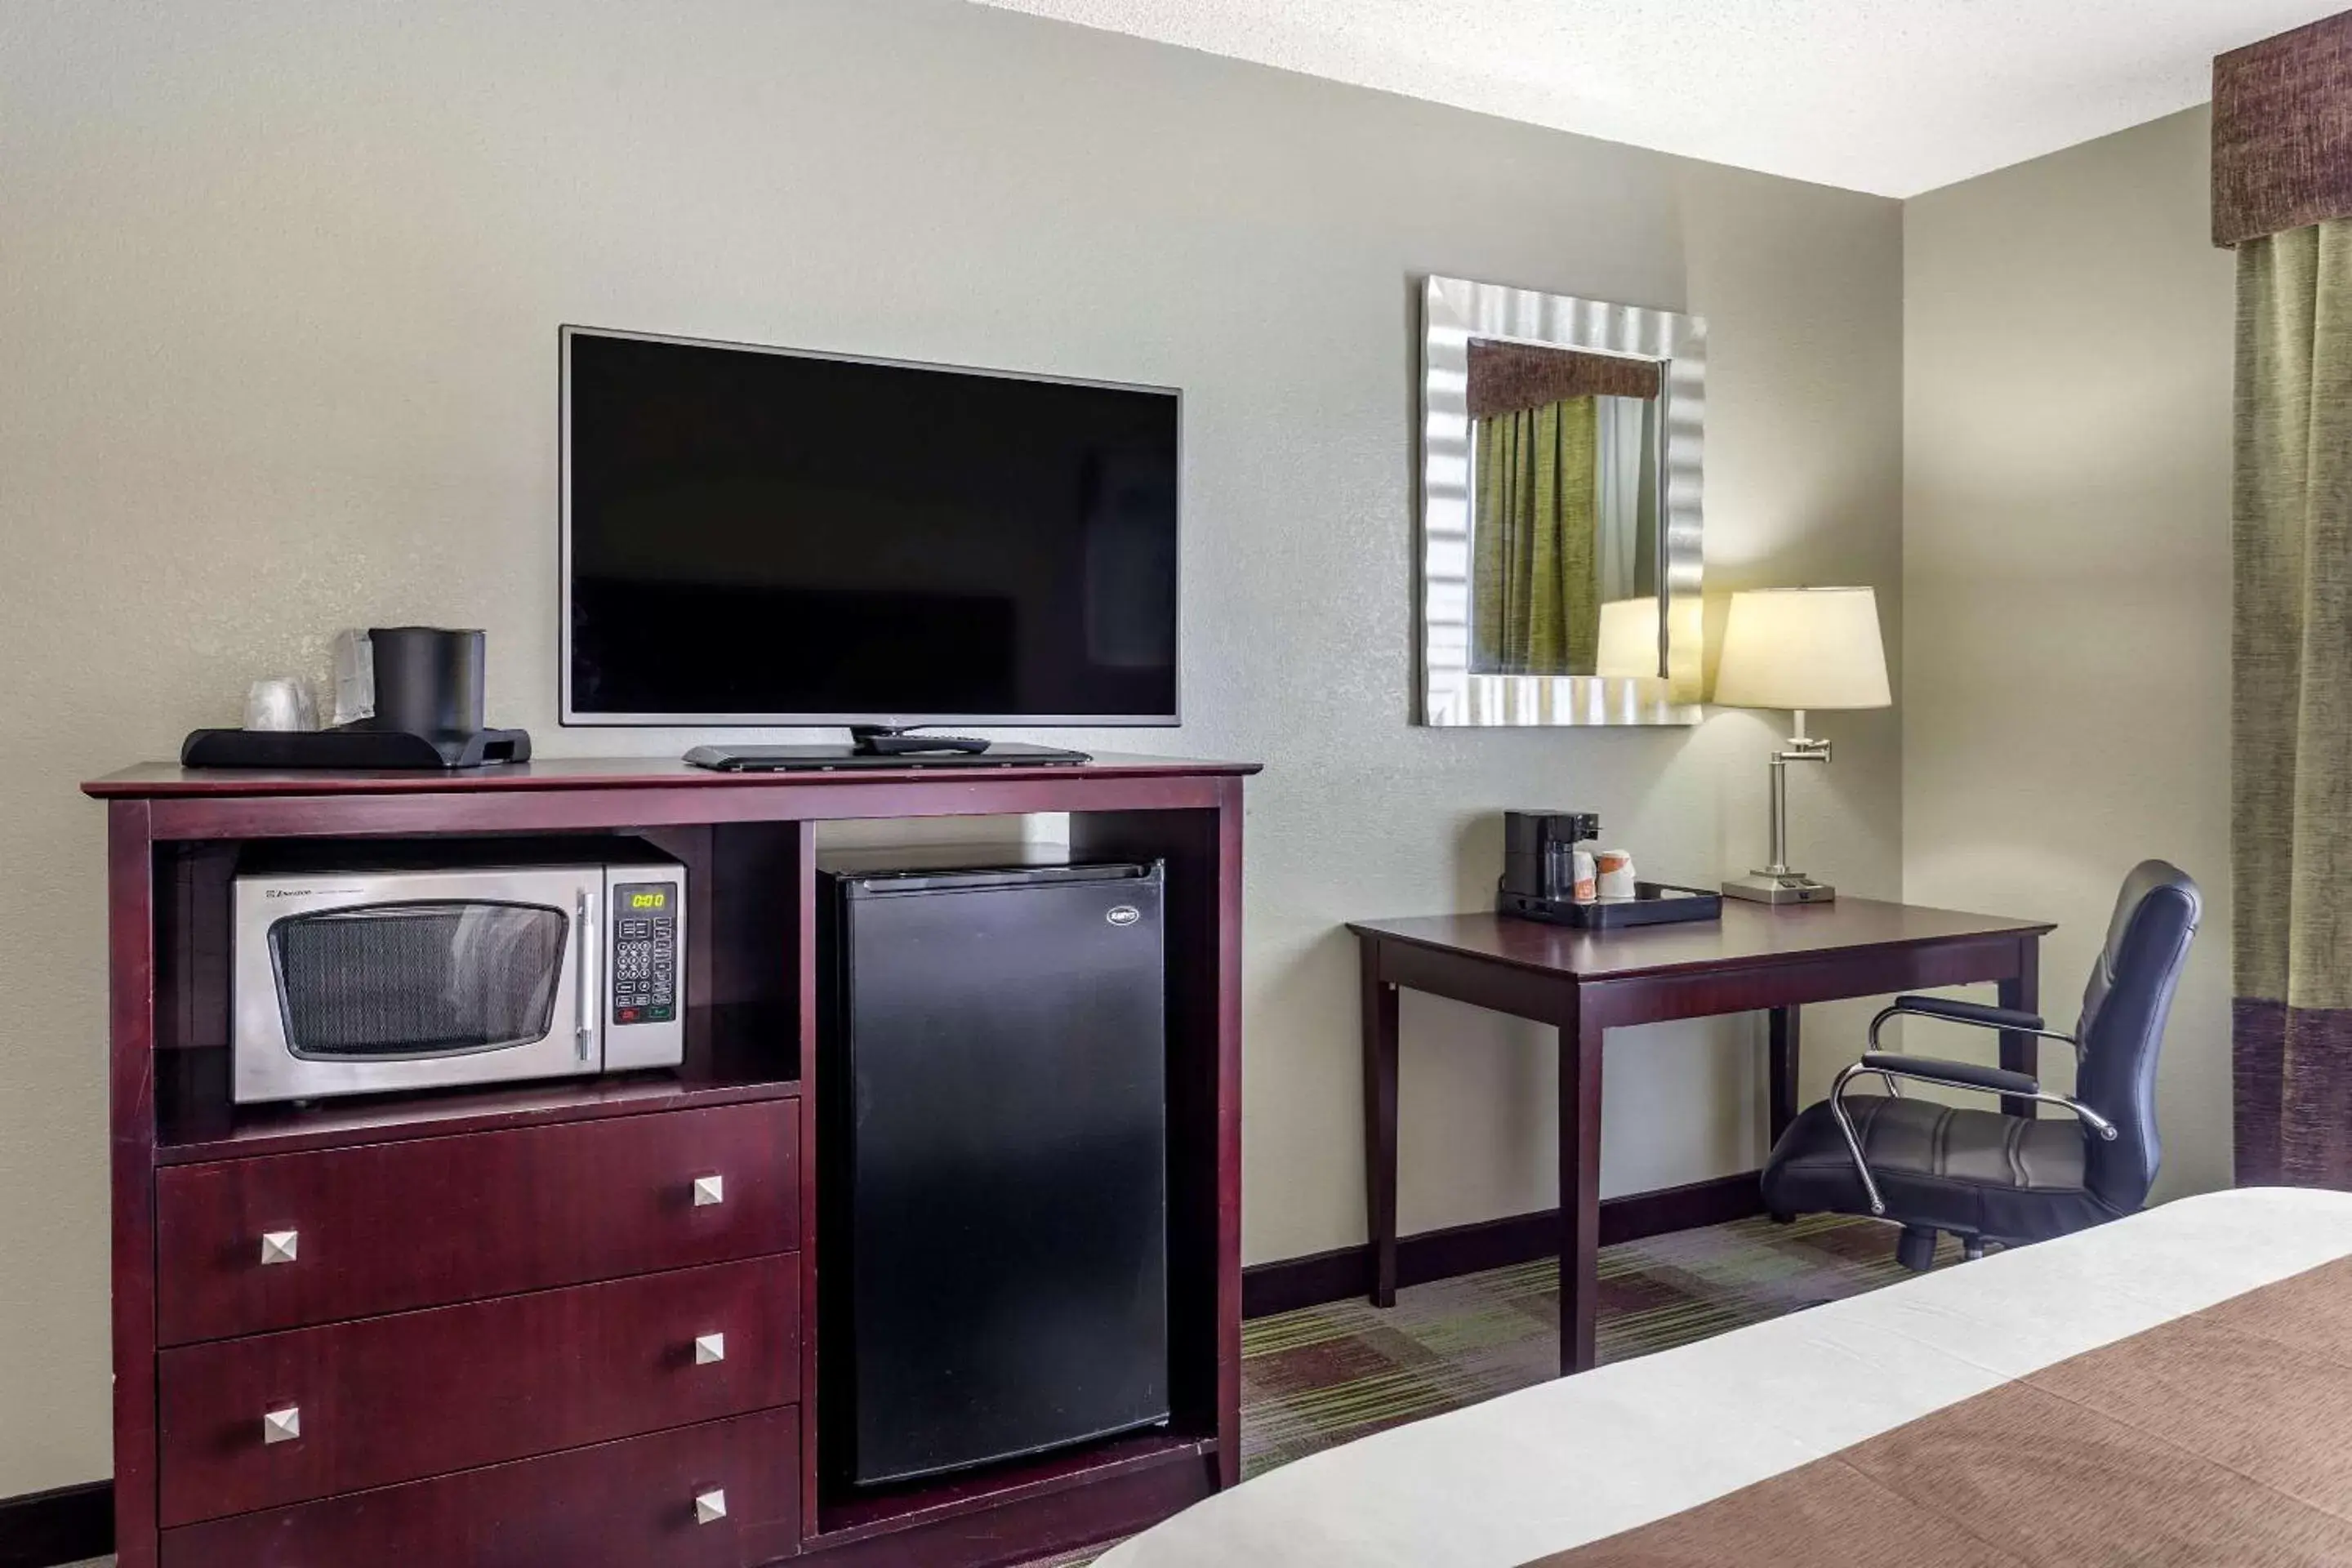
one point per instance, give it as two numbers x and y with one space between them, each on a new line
1984 1176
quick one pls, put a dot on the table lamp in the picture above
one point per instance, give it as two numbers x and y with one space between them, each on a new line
1799 648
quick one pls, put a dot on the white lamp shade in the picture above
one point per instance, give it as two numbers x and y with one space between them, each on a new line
1803 648
1629 634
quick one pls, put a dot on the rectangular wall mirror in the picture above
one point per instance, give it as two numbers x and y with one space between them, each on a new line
1561 515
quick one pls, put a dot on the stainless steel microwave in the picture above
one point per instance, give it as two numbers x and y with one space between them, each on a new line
366 982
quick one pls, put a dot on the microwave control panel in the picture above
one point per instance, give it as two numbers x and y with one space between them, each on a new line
644 953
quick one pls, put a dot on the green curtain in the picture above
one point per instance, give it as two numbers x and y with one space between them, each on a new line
2291 658
1535 568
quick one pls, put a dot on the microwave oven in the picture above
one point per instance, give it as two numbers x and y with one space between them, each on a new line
415 975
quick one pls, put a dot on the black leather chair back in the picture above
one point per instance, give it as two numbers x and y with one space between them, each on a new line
2122 1026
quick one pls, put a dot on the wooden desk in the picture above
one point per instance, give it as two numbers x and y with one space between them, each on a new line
1585 983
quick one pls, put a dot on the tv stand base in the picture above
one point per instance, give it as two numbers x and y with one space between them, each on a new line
820 759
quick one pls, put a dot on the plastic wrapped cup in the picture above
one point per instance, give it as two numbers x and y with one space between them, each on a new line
281 702
1614 869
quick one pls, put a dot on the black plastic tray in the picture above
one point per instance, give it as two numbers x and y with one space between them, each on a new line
350 746
1653 903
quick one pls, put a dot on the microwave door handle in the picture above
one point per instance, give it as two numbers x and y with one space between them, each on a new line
583 1032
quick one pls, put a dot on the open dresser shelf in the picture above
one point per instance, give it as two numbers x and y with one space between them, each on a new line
502 1330
204 1127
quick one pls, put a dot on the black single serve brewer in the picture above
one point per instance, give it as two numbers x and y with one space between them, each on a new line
1540 852
1539 879
426 686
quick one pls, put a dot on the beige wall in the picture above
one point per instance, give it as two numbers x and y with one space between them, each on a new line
277 355
2066 570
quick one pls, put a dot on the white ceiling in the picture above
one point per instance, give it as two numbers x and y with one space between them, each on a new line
1895 97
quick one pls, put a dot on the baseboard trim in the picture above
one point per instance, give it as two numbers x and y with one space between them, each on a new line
1291 1283
68 1524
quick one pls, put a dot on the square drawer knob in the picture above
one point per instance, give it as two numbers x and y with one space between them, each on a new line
281 1426
709 1507
708 1348
709 1190
280 1246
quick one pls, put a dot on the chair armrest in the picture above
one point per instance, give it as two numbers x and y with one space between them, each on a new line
1975 1013
1969 1075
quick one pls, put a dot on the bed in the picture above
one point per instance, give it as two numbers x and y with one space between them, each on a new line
2174 1386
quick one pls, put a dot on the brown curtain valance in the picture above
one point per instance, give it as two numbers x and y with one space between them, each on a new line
2282 133
1508 377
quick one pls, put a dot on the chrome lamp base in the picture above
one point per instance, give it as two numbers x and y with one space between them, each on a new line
1778 887
1776 883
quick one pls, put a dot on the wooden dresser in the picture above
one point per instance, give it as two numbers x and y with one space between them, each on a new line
576 1321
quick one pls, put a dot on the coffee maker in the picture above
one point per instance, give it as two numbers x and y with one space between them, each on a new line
1540 853
1539 881
426 691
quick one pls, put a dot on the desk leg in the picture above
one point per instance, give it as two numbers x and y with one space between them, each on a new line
1579 1188
2021 1053
1782 1027
1381 1125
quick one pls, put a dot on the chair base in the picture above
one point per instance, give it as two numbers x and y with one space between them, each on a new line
1915 1249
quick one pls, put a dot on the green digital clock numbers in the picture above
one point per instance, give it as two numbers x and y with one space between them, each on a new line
648 900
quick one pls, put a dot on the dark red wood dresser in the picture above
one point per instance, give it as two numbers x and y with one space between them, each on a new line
575 1322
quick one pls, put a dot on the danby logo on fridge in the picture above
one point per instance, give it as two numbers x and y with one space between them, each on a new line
1124 915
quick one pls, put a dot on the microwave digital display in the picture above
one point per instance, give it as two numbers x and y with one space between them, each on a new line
644 955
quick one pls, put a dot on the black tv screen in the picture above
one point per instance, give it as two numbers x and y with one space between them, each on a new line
763 536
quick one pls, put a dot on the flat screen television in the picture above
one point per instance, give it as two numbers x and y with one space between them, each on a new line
761 536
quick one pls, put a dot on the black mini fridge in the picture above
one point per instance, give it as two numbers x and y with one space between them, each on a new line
992 1169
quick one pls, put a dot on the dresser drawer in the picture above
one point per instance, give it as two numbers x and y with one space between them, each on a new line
245 1246
629 1504
420 1393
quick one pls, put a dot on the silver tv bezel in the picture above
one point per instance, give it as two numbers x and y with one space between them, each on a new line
571 717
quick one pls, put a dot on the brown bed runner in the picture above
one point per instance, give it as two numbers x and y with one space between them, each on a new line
2223 1437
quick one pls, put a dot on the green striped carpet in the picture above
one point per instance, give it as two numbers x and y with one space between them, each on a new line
1325 1375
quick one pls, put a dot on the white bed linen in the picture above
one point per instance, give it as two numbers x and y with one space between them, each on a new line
1584 1458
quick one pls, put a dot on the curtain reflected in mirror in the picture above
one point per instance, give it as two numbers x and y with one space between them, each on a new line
1564 517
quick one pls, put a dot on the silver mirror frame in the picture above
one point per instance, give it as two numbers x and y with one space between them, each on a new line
1454 310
